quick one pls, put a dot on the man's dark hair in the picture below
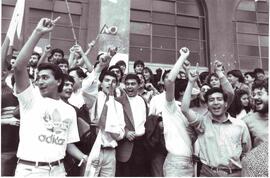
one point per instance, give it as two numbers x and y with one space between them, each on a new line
138 62
67 77
238 74
116 67
36 54
56 71
164 74
132 76
203 77
79 72
215 90
209 78
57 50
258 70
179 87
258 84
121 63
107 72
61 61
252 74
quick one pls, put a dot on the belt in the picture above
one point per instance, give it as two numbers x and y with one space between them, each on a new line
37 164
227 170
107 148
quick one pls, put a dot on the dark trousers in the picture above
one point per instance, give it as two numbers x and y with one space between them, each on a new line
8 163
157 162
138 165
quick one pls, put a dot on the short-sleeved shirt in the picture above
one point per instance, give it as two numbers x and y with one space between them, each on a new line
47 126
177 132
258 127
221 144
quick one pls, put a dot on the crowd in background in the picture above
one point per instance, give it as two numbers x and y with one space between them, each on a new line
176 122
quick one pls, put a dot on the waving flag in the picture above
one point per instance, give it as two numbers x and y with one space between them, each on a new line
16 22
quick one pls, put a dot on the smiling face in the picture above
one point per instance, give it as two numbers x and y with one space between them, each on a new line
260 97
138 68
67 90
244 100
216 104
146 74
47 83
131 87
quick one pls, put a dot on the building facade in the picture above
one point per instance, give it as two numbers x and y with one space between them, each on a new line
232 31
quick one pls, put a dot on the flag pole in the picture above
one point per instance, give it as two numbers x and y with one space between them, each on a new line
52 14
71 22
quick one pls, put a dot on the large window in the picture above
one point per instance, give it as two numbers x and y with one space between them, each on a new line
252 34
159 28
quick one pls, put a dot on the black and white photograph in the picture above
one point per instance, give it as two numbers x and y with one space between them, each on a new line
134 88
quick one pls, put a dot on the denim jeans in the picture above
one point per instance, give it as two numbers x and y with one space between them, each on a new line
107 163
178 166
23 170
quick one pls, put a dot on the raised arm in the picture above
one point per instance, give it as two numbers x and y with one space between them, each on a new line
71 57
4 53
90 47
45 54
87 62
192 77
169 83
225 84
44 26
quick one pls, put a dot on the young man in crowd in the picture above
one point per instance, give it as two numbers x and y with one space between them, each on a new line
48 126
33 63
257 121
131 152
237 80
249 79
222 140
259 73
138 66
63 65
177 131
108 114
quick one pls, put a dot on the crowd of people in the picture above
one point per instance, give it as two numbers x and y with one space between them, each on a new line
69 117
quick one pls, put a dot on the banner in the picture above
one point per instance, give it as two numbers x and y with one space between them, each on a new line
16 22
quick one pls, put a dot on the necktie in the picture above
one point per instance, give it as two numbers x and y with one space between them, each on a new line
103 115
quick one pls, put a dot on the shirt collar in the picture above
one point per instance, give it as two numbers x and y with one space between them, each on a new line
229 118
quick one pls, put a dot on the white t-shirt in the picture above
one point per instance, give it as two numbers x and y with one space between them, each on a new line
155 104
177 138
47 126
138 109
76 99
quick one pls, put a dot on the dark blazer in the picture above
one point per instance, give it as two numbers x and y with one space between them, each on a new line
125 147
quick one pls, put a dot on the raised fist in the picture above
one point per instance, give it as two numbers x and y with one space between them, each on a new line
218 66
184 51
48 48
46 25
